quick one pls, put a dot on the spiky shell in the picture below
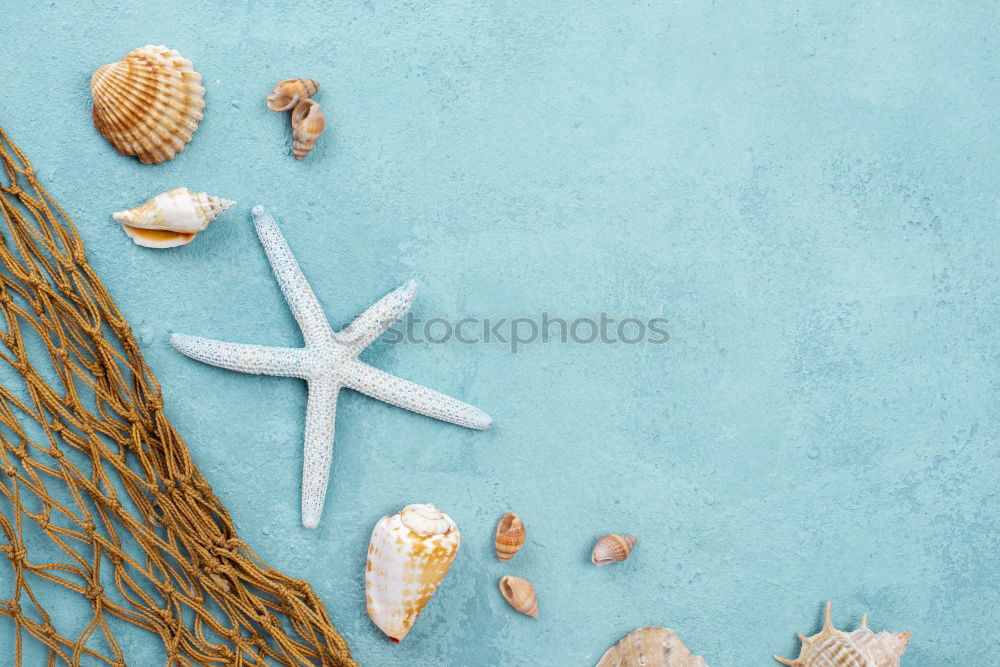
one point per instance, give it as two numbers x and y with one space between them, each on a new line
650 647
288 93
510 536
861 648
308 122
171 218
148 104
408 557
519 594
612 549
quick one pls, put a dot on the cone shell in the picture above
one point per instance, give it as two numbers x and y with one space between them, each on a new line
520 594
650 647
148 104
409 556
172 218
861 648
612 549
290 92
308 122
510 536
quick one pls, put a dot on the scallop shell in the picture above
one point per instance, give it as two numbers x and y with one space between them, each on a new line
612 549
861 648
172 218
519 594
290 92
650 647
308 122
510 536
148 104
409 556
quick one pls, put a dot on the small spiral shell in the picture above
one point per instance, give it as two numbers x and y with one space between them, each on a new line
290 92
308 122
519 594
510 536
612 549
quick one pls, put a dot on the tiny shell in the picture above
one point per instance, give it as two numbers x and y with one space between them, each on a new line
308 122
520 594
510 536
612 549
861 648
650 647
171 218
148 104
290 92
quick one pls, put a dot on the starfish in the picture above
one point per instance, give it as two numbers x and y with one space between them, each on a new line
328 363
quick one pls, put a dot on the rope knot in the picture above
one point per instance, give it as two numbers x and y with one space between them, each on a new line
10 471
14 608
94 591
16 553
89 528
154 402
56 453
57 426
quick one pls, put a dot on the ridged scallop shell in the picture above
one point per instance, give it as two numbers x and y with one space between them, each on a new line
172 218
409 556
612 549
308 122
148 104
290 92
510 536
861 648
520 594
650 647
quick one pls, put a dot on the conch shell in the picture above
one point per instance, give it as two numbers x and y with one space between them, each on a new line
172 218
148 104
650 647
409 555
308 122
612 549
510 536
861 648
290 92
519 594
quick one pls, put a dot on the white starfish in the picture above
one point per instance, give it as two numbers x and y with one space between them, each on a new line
328 362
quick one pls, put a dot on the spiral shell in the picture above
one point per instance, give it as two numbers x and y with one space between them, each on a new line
308 122
172 218
650 647
861 648
148 104
612 549
409 555
290 92
519 594
510 536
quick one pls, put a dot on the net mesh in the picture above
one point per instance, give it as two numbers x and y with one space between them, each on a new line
98 493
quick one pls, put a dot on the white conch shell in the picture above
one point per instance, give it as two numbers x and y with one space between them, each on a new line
650 647
861 648
172 218
409 556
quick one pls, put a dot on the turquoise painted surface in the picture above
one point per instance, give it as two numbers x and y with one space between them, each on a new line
807 192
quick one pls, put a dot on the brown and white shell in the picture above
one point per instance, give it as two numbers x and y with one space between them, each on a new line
288 93
308 122
520 594
612 548
148 104
650 647
510 536
861 648
172 218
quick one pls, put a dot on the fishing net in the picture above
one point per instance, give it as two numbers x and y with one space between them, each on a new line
98 493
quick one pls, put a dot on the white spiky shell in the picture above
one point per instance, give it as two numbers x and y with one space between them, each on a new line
148 104
650 647
171 218
409 556
831 647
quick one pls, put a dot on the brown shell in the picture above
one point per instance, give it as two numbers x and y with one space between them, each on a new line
650 647
510 536
288 93
612 549
519 594
831 647
148 104
308 122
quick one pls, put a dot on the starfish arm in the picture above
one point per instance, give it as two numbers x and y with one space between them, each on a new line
372 323
299 295
414 397
253 359
321 410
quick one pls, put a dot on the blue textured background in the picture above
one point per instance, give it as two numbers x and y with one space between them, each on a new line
806 191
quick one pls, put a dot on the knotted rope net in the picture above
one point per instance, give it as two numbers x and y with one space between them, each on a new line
98 493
